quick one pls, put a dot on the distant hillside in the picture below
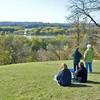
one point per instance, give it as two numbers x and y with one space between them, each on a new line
34 24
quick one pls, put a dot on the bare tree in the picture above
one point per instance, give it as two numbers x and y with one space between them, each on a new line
77 28
85 8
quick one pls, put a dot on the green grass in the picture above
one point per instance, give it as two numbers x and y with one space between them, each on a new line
34 81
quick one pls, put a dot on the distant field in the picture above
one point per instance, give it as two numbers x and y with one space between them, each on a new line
34 81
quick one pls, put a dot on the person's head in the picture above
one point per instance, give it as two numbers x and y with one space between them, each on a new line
88 46
81 65
77 48
64 66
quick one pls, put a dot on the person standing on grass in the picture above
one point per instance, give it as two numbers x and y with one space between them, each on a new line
81 74
63 78
76 58
88 58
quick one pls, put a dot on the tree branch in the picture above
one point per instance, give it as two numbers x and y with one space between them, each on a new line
92 19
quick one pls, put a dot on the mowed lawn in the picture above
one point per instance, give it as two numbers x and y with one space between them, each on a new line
34 81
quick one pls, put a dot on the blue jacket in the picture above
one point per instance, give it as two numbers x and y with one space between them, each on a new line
64 77
77 56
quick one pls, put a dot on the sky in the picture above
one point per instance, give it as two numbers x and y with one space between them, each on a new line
49 11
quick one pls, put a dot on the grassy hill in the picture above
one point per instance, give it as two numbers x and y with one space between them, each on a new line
34 81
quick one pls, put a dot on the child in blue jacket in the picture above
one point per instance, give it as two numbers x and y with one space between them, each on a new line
63 78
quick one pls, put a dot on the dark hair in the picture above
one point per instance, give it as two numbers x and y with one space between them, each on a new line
64 66
77 49
81 64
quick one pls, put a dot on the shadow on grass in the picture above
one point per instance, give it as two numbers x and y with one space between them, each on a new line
95 73
79 85
93 82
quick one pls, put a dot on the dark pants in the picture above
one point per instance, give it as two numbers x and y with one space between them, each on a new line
76 67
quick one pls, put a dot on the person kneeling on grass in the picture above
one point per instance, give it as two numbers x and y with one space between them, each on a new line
81 74
63 78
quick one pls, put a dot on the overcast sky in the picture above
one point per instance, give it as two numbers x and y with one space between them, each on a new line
53 11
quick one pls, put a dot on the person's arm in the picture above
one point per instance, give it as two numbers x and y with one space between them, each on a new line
80 55
85 54
77 73
59 75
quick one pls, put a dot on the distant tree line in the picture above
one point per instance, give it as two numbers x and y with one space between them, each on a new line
33 31
35 24
39 28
